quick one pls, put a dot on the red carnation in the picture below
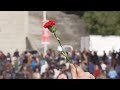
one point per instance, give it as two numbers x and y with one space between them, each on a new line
50 23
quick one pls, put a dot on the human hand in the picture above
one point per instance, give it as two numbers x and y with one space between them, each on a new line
78 73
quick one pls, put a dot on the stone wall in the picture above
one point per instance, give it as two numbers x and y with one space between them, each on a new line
13 30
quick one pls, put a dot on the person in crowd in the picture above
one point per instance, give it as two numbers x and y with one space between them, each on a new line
97 71
112 74
51 73
90 56
42 60
16 53
2 56
117 69
91 67
58 58
44 68
21 58
1 74
8 57
95 58
29 69
113 54
102 75
104 58
20 75
29 58
24 74
103 66
45 75
7 73
25 60
74 56
2 63
33 63
118 59
109 58
36 73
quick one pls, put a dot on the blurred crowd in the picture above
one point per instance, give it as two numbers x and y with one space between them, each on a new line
33 65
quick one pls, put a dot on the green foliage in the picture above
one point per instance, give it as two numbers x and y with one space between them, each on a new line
102 22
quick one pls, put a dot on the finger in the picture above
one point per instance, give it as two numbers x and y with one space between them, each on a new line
87 75
73 71
79 70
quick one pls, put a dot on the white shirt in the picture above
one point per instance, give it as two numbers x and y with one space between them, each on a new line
43 68
103 66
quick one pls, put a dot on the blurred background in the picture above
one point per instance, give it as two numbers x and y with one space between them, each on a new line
88 35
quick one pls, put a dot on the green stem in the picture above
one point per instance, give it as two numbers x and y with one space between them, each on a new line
63 52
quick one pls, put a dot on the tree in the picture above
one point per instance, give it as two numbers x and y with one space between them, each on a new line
102 22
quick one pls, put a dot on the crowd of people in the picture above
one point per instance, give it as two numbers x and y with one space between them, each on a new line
33 65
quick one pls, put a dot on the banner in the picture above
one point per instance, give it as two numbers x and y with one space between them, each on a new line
45 36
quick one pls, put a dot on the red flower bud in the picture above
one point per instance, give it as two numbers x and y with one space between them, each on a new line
50 23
